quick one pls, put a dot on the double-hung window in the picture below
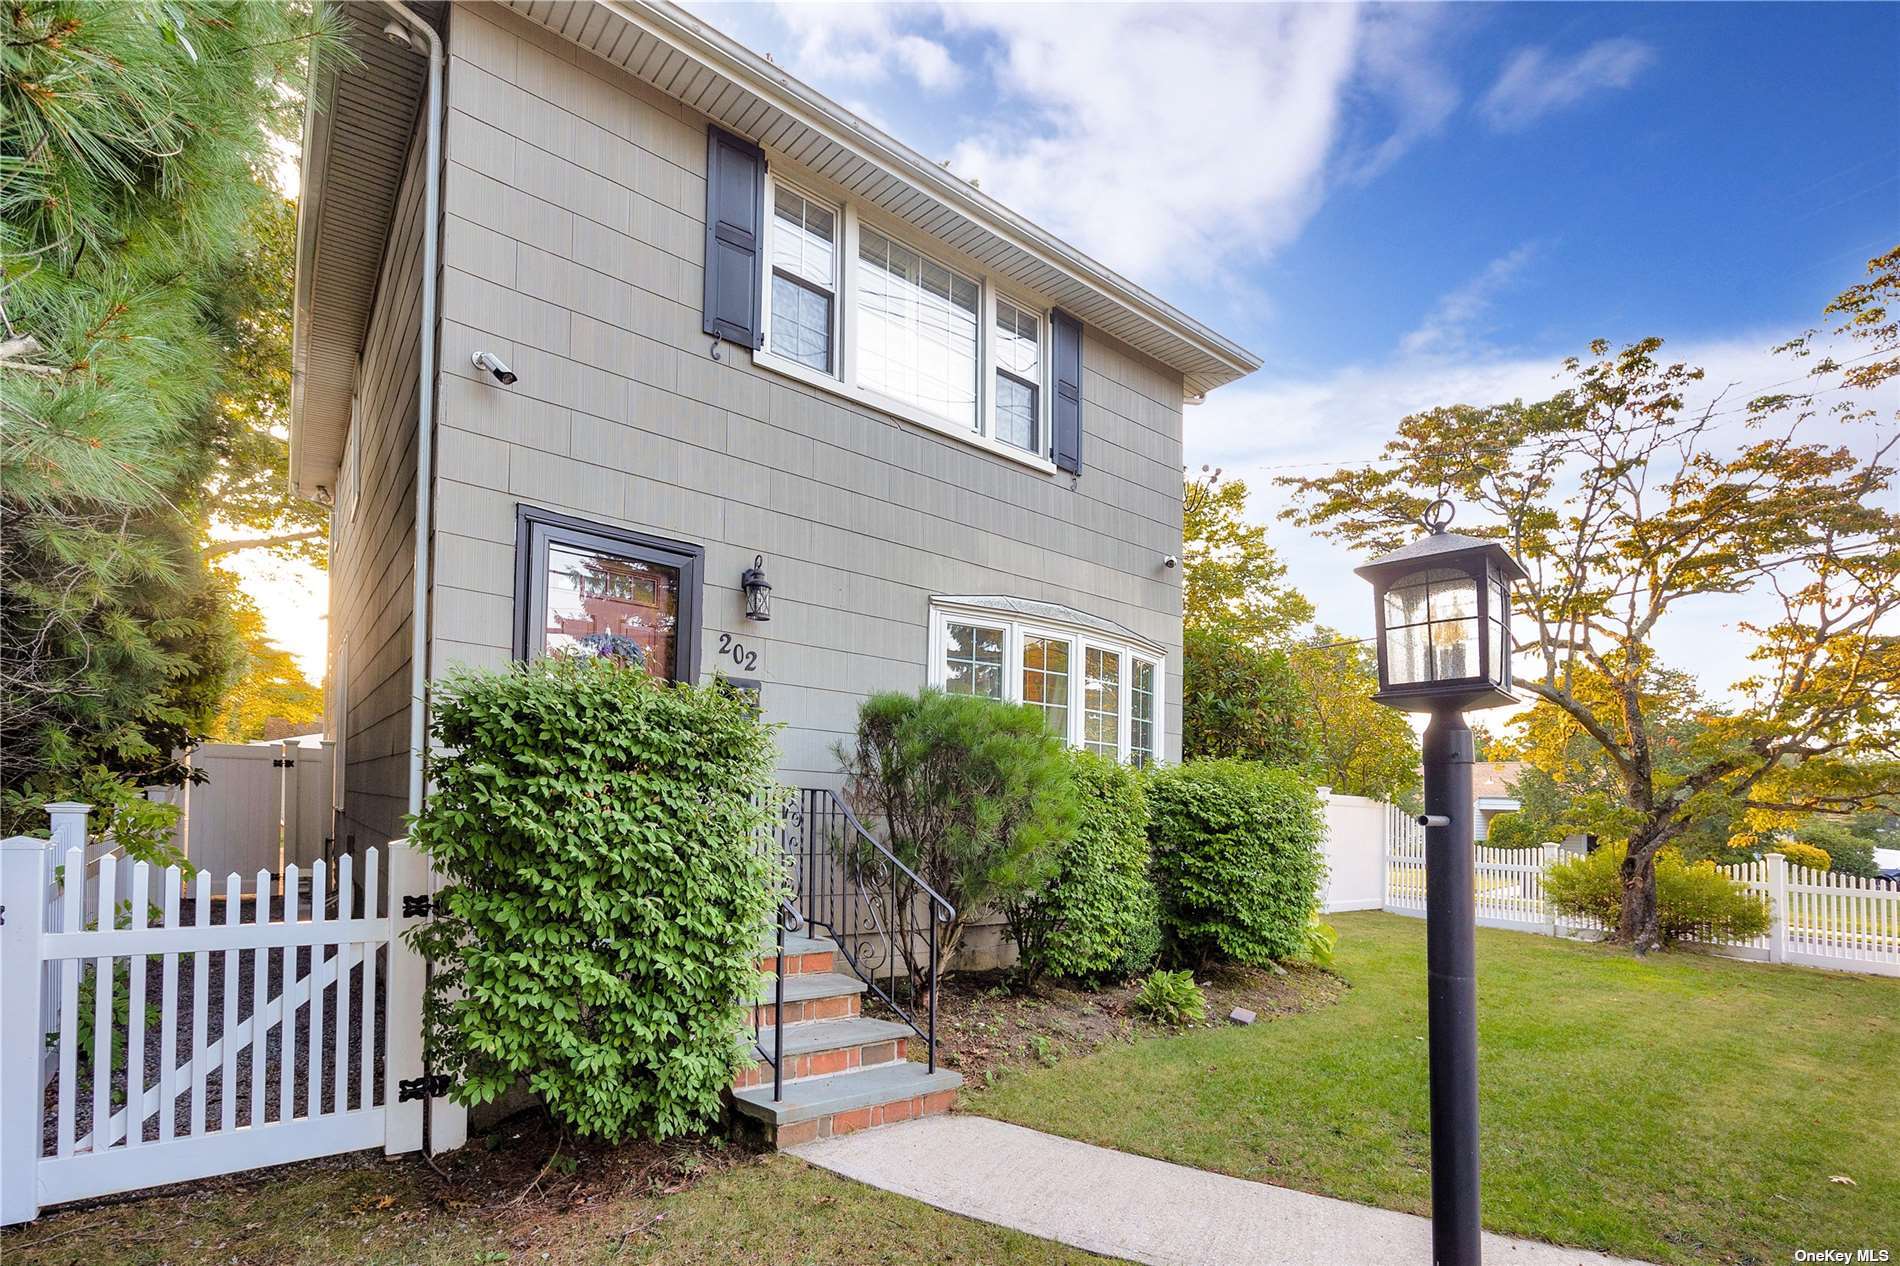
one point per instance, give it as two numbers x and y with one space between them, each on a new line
804 283
1018 376
1096 693
871 312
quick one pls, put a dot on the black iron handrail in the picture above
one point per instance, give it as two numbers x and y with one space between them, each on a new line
846 881
788 920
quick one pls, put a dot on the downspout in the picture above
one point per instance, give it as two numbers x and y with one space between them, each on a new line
425 420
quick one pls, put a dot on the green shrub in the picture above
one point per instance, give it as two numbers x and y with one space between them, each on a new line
1518 830
1095 917
1804 855
1237 860
973 794
605 901
1852 854
1322 938
1173 998
1690 896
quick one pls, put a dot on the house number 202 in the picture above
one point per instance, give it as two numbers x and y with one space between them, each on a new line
741 655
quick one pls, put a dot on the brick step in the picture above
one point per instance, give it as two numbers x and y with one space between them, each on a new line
819 995
820 1048
802 954
821 1107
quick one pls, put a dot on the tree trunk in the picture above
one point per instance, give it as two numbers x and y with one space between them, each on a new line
1637 923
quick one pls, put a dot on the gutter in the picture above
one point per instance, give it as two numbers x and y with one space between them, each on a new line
425 412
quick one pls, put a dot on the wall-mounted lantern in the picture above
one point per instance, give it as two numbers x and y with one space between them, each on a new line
758 590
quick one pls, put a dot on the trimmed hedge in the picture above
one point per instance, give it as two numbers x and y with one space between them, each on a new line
1096 917
606 901
1237 860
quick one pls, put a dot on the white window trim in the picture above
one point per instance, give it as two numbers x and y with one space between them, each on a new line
844 333
838 271
1016 630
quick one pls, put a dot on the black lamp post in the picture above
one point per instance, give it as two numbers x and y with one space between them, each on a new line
1444 620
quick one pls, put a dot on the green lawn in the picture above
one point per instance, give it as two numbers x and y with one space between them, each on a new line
368 1212
1681 1109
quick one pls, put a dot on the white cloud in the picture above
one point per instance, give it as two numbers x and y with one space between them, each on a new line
1173 140
862 43
1534 82
1454 325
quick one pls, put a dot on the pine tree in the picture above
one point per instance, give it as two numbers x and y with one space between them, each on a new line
133 139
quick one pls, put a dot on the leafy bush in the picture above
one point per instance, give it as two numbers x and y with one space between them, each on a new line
1805 855
605 901
1173 998
974 795
1851 853
1322 938
1241 701
1237 860
1690 896
1095 917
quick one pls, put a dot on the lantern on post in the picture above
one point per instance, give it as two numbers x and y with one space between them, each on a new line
1443 611
758 590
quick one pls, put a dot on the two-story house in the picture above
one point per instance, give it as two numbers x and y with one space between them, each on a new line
601 316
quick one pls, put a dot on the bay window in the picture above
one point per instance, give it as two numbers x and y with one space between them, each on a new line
873 313
1141 713
1097 685
973 660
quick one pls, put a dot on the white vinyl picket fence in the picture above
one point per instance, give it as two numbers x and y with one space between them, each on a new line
194 1030
1816 918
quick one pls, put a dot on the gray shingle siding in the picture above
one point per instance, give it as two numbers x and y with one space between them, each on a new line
573 202
373 541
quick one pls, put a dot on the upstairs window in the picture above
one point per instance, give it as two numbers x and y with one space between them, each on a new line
916 330
1018 377
804 280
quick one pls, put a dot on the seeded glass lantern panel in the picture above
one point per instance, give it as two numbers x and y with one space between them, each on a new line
1444 622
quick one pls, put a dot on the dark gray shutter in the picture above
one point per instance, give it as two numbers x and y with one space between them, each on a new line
1066 427
735 224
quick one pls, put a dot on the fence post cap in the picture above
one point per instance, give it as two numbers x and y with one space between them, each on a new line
24 844
67 806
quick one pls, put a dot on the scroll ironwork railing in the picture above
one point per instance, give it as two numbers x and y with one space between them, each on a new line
885 920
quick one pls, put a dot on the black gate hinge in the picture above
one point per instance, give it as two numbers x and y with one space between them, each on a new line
421 907
281 763
429 1086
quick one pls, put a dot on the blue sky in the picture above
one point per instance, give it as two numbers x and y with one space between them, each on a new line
1408 206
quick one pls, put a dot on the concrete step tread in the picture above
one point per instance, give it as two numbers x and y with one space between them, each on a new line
860 1088
795 945
807 985
809 1036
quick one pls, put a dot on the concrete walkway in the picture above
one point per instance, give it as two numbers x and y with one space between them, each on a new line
1144 1210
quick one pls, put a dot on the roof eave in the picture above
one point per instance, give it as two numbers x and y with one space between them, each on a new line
315 151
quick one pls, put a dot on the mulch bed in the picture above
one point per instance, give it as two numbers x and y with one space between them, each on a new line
984 1025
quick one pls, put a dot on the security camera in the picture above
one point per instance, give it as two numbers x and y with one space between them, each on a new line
1170 562
496 366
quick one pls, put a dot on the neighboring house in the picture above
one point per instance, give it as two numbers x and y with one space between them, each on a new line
1494 791
690 322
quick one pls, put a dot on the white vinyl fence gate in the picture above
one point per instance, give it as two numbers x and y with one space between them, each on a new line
184 1039
1816 918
